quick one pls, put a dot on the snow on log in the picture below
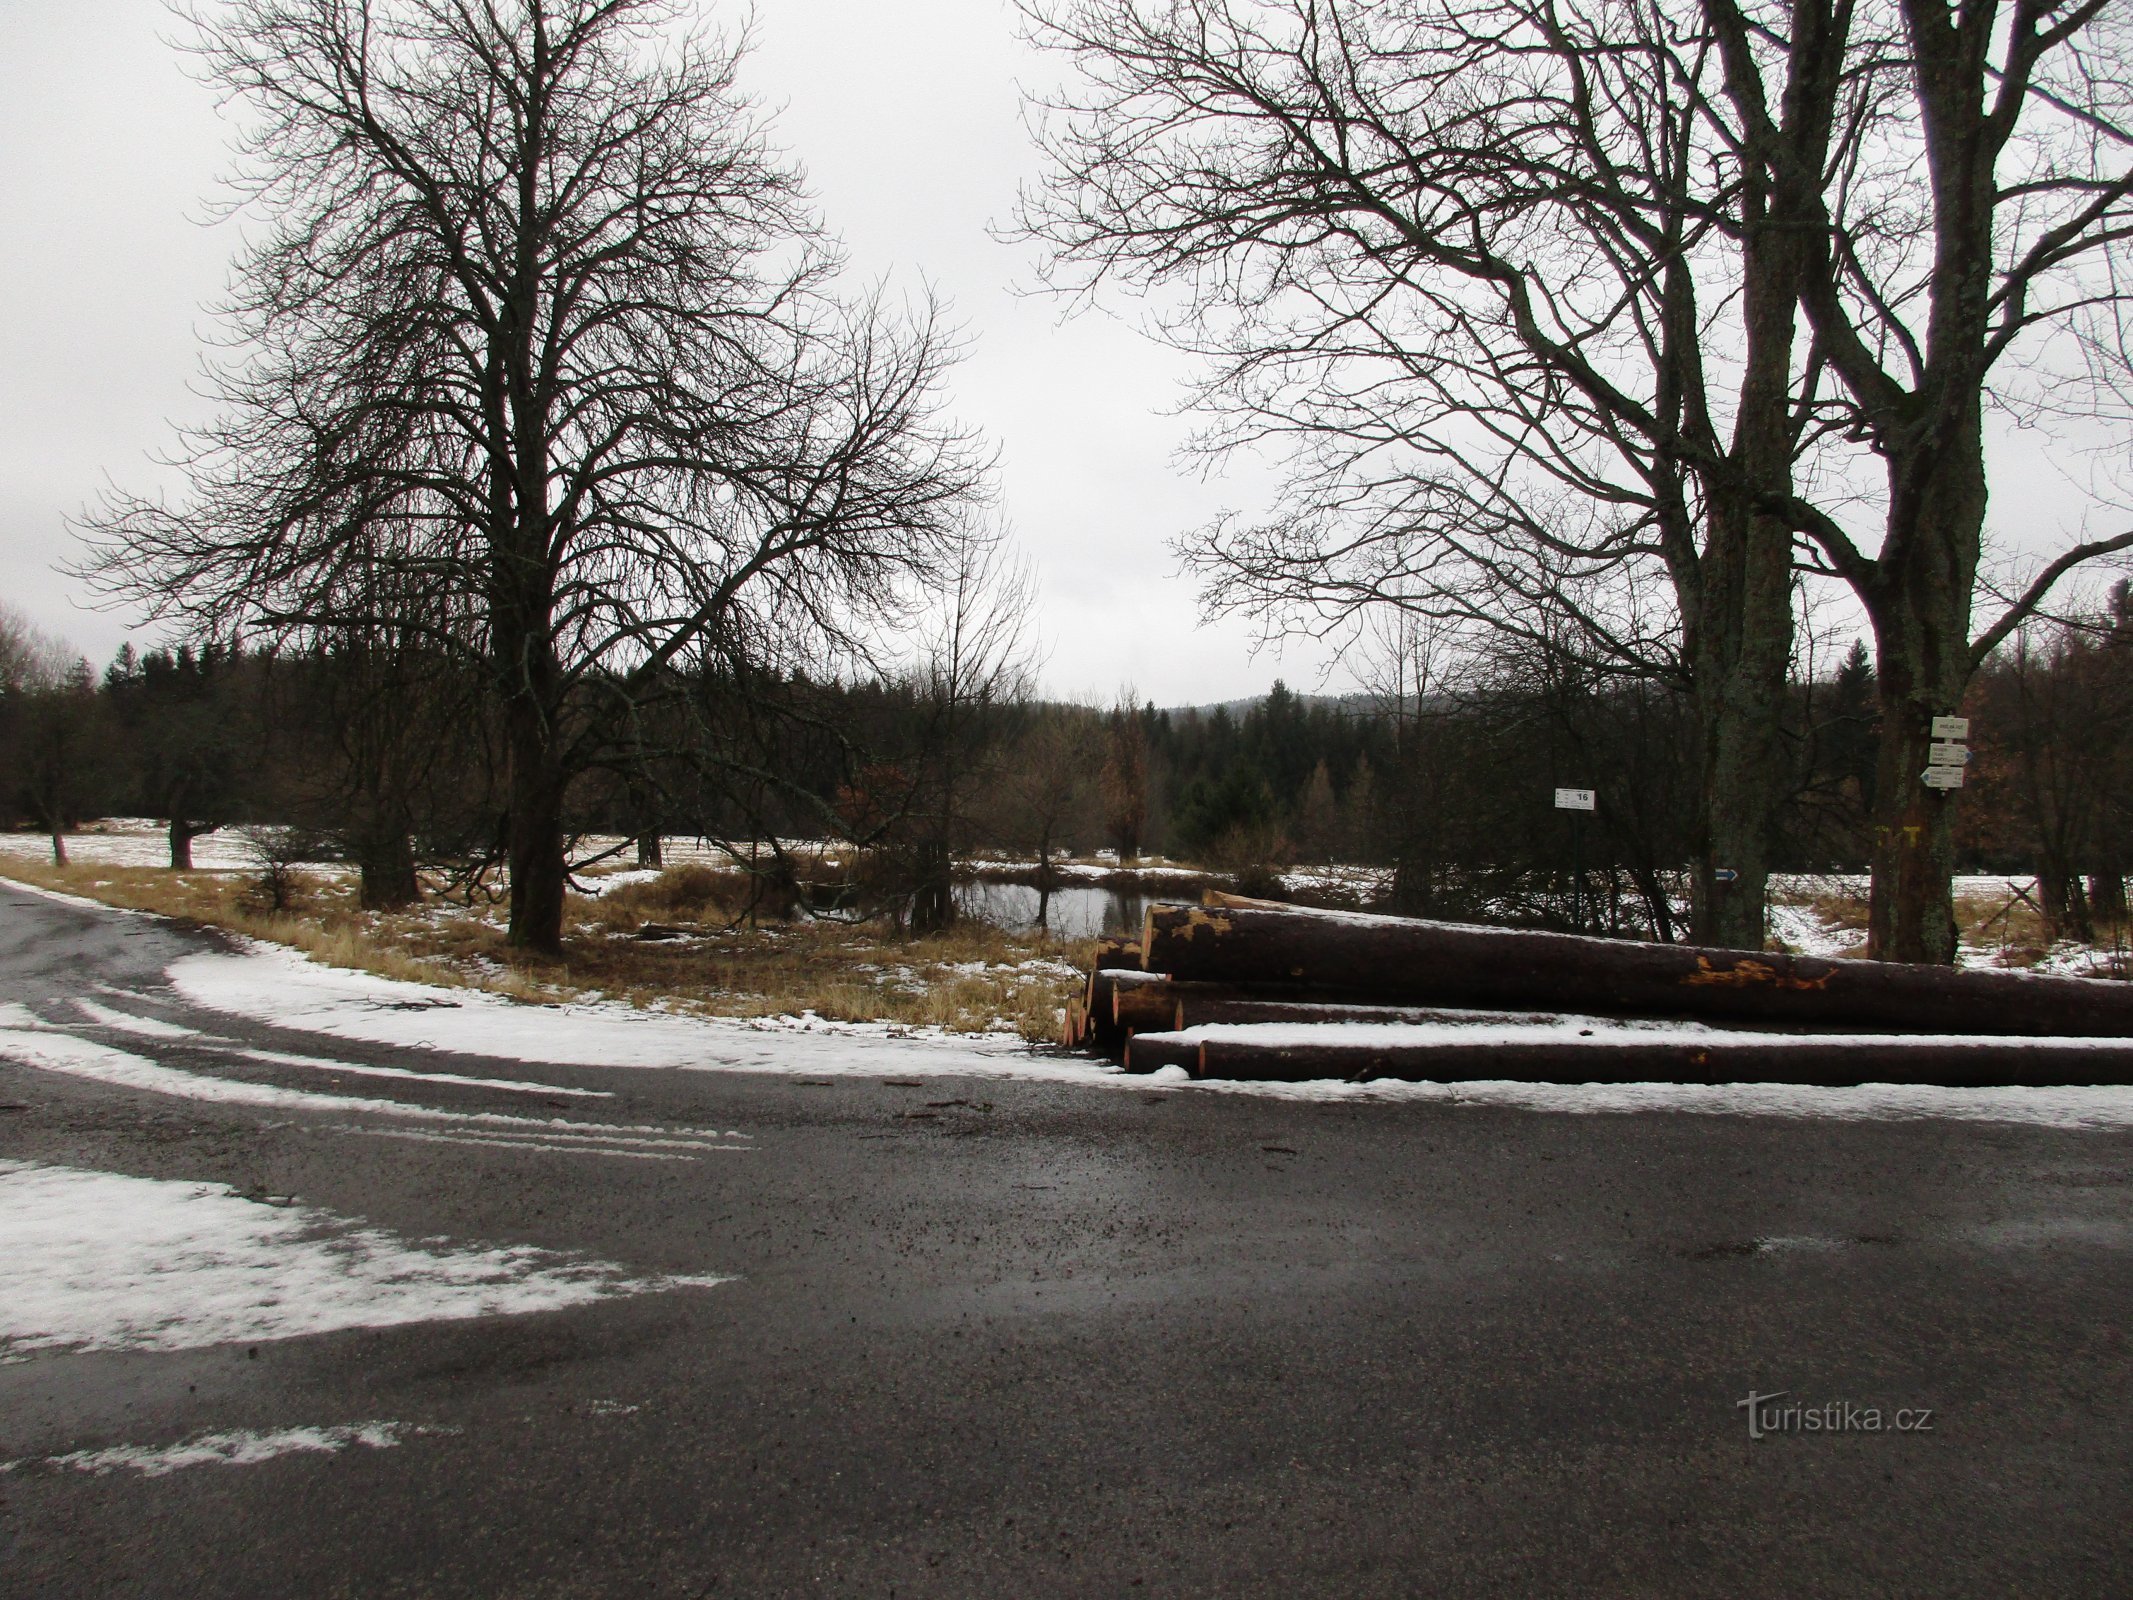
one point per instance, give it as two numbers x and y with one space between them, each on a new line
1398 961
1199 1004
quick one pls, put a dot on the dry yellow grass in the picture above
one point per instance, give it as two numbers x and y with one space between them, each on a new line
976 978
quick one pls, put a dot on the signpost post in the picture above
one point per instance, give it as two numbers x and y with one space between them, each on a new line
1577 802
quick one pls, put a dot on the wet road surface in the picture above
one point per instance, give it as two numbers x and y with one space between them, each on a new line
993 1338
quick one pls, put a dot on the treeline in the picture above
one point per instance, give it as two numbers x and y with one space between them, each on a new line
396 763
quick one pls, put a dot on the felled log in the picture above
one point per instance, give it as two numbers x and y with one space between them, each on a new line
1397 961
1157 1003
1150 1052
1117 950
1145 1007
1197 1010
1949 1063
1103 1031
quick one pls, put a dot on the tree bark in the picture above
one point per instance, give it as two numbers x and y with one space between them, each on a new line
650 852
1740 634
534 835
1921 615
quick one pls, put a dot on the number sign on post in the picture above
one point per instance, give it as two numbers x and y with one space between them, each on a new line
1573 799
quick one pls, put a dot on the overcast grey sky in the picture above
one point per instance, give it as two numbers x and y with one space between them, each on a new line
907 119
906 115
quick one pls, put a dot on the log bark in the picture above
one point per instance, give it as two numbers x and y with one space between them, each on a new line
1830 1064
1144 1007
1103 1031
1389 960
1117 950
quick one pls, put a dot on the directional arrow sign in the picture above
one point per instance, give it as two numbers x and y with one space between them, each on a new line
1949 755
1951 727
1943 777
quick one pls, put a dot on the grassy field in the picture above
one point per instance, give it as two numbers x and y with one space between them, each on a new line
707 961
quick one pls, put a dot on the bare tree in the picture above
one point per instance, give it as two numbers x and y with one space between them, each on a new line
1047 782
1518 307
534 313
28 656
1122 782
975 663
1964 259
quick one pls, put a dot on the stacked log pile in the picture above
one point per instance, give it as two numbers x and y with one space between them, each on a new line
1248 989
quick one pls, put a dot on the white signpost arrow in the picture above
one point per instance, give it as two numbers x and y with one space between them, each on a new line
1943 777
1948 755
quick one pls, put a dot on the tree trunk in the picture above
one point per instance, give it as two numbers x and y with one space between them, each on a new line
2107 897
933 902
1740 641
539 872
59 847
386 857
181 846
1921 614
650 852
2065 909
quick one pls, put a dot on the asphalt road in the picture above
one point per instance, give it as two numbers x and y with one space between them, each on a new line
1058 1339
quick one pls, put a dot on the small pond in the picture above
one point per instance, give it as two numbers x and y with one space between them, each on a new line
1078 911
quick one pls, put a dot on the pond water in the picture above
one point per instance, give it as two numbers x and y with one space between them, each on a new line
1079 911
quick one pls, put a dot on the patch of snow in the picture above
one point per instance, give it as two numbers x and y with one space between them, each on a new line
51 1051
240 1448
2105 1107
103 1261
143 842
1800 930
510 1085
270 984
594 885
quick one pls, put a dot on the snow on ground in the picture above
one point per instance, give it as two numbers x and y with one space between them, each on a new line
142 842
237 1448
356 1005
103 1261
593 885
1801 931
27 1040
280 987
268 984
1362 883
2103 1107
